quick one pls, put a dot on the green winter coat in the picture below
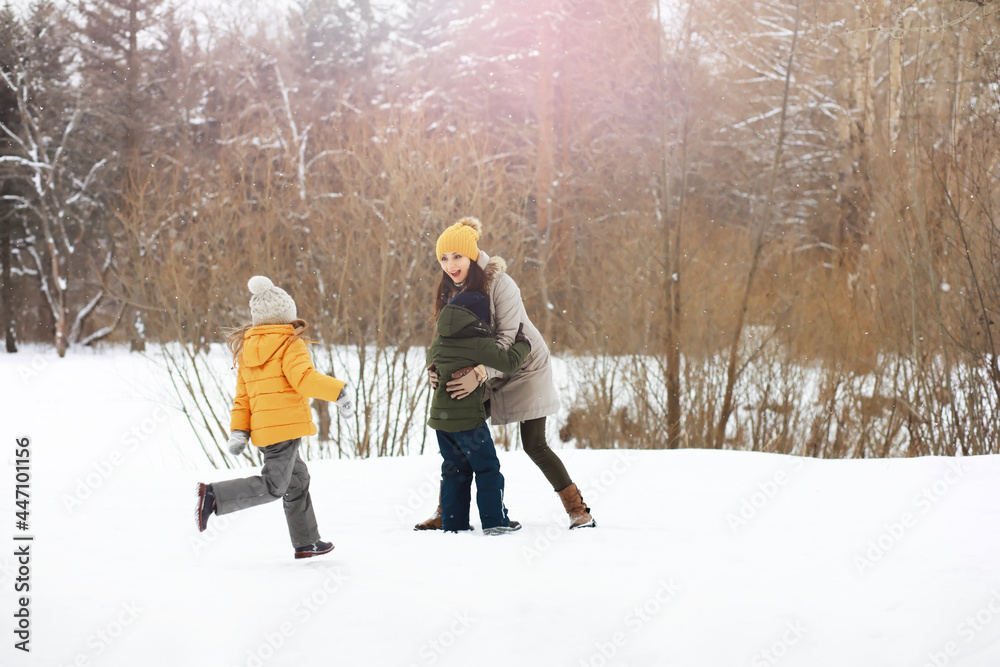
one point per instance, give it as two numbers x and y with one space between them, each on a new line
464 340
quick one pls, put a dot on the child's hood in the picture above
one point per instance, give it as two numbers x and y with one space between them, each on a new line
261 343
454 319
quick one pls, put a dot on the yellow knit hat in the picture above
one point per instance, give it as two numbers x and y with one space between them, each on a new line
461 238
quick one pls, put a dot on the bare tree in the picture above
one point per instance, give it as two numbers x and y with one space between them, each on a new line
64 248
11 34
764 213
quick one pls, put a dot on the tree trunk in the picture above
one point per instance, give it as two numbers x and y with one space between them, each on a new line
546 153
7 289
854 130
132 65
732 373
671 260
137 333
57 294
895 79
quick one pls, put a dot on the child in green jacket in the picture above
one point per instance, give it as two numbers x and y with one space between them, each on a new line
464 338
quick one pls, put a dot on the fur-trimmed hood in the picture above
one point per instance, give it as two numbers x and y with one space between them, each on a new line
493 267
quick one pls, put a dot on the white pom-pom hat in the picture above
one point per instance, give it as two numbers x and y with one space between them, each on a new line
270 304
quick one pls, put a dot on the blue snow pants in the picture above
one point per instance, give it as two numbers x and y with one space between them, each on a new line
468 453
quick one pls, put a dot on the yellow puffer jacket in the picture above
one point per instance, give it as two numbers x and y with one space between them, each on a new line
276 381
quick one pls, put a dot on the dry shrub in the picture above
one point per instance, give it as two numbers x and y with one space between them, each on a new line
353 246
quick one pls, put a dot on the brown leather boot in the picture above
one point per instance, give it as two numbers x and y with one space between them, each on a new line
433 523
579 514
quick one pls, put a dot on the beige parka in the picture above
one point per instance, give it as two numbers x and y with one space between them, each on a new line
530 392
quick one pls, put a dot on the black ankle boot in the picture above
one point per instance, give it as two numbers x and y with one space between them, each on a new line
317 548
206 505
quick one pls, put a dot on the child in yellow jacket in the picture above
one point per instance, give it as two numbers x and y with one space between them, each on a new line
271 409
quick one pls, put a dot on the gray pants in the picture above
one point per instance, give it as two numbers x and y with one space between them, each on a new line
284 476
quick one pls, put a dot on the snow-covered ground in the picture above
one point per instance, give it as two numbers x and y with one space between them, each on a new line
701 558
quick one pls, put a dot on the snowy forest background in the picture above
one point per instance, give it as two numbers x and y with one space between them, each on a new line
742 224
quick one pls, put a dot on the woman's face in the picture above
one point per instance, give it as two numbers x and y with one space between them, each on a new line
456 266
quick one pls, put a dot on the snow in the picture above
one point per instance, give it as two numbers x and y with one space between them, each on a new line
701 558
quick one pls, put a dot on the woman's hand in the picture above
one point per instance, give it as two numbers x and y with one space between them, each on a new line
464 381
522 337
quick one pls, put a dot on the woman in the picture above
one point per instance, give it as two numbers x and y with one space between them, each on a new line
527 396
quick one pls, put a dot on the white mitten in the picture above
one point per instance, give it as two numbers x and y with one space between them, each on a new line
345 404
237 442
